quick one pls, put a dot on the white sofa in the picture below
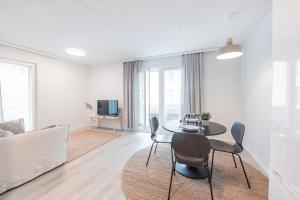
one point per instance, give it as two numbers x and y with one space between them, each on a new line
28 155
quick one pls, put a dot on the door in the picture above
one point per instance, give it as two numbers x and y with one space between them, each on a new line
162 95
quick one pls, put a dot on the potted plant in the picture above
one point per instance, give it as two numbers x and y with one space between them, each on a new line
205 116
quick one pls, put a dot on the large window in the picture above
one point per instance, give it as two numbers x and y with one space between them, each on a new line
160 94
17 92
172 95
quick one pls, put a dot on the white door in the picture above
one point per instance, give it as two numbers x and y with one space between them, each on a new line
165 94
159 95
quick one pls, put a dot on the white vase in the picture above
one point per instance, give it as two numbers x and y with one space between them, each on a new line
205 123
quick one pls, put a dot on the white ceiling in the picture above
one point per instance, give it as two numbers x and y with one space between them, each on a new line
116 30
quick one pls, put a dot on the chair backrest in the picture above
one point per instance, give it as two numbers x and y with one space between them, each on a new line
154 125
190 146
237 132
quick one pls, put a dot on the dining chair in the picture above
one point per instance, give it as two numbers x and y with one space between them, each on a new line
237 132
158 138
192 150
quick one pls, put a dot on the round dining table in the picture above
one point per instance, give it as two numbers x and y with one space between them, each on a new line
212 129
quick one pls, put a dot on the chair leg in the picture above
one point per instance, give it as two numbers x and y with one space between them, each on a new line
244 170
210 184
169 195
212 162
173 167
150 154
234 160
155 148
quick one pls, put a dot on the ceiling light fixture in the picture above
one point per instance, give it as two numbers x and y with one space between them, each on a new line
229 51
75 52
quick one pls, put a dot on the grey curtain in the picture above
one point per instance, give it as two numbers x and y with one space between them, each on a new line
192 82
130 93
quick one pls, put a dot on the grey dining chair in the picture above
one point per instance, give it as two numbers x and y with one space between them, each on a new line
237 132
158 138
192 150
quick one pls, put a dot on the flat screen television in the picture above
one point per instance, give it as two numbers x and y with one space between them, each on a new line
107 107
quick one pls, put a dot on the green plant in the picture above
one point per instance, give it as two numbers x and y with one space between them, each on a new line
205 116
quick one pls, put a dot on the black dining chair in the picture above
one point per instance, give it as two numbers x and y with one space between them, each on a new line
237 132
192 150
158 138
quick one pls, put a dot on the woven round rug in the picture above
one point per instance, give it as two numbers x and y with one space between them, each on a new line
142 183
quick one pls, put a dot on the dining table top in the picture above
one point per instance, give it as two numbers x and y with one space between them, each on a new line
212 129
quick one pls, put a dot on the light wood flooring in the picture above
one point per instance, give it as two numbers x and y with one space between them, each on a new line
96 175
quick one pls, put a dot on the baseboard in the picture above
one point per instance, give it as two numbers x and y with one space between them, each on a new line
264 169
106 128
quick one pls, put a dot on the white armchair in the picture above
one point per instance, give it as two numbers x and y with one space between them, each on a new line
28 155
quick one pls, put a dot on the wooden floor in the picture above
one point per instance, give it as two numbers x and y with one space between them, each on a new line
96 175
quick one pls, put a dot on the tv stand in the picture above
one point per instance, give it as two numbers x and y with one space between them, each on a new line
114 119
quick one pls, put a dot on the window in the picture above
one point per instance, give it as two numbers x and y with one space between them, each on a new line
161 94
16 86
172 95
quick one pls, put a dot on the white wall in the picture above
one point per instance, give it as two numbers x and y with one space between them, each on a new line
172 61
61 88
221 86
105 82
257 91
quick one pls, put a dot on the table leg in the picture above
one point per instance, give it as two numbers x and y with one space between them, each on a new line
114 123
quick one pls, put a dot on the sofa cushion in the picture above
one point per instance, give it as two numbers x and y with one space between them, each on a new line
5 133
14 126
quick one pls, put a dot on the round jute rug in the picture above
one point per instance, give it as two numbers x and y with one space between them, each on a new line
140 182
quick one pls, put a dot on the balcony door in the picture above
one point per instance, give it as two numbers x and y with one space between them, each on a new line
162 95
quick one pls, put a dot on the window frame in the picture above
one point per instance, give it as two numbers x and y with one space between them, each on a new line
33 86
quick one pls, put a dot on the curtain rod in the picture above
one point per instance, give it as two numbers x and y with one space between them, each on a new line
29 50
173 54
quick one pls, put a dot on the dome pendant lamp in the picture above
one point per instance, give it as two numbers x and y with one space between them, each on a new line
229 51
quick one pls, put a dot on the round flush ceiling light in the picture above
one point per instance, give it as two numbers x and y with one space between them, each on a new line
75 52
229 51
